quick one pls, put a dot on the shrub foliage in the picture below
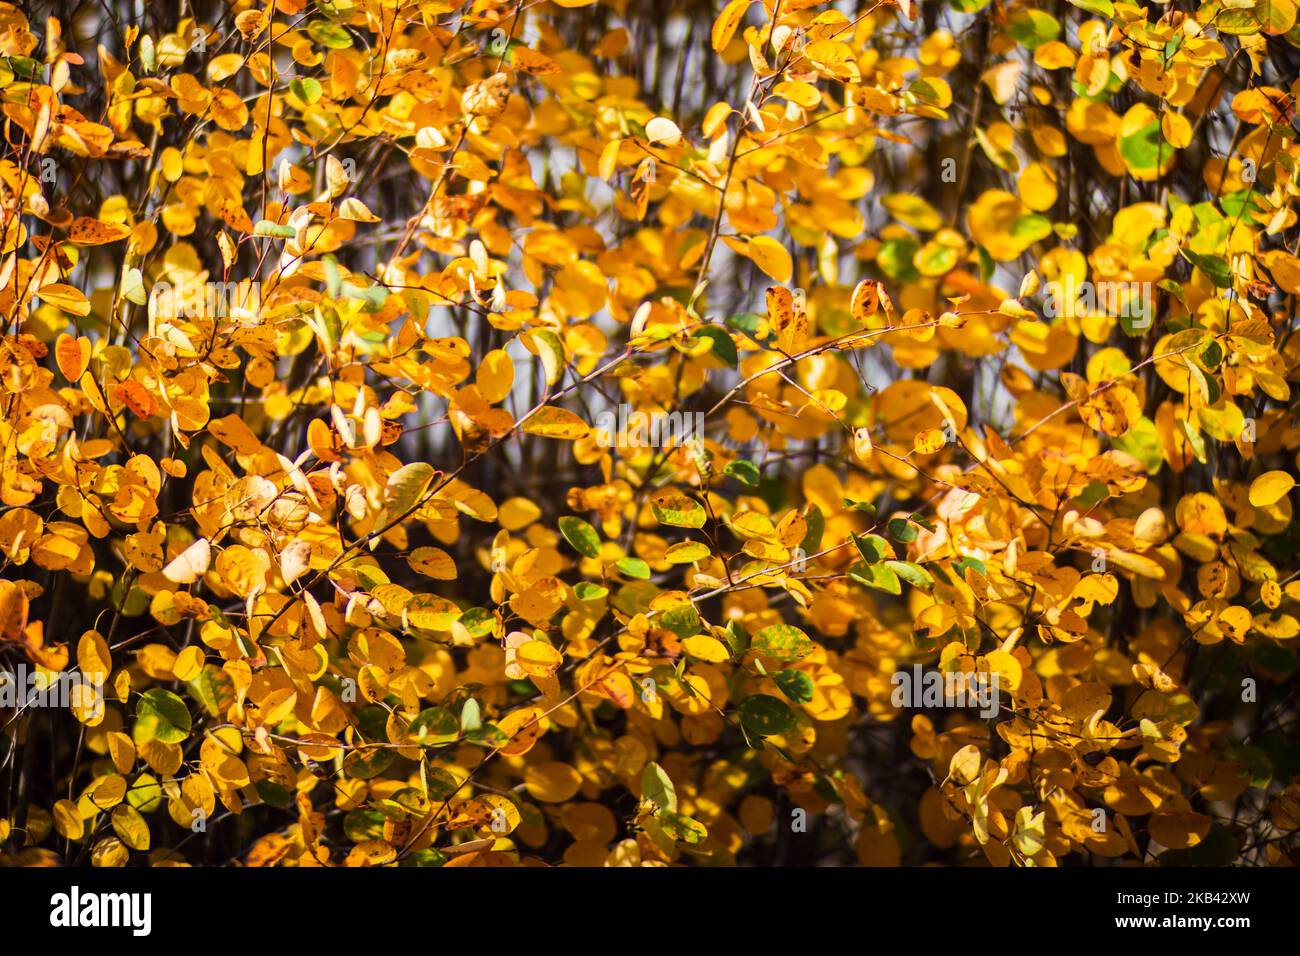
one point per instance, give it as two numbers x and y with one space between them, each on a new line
489 432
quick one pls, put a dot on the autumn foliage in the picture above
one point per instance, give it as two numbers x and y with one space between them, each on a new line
462 432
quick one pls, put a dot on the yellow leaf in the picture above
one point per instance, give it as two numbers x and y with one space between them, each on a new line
928 442
86 231
65 297
766 253
1270 488
862 444
496 376
523 727
724 27
355 210
965 764
93 655
67 820
1179 830
538 658
1037 184
228 110
1235 622
188 663
608 162
705 648
662 132
553 422
432 563
1006 667
788 319
191 564
1176 129
865 301
551 782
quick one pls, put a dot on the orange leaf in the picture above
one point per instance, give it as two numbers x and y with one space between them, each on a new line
137 398
73 355
65 297
94 232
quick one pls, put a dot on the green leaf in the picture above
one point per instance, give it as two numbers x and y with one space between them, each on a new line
264 227
1214 267
479 621
679 511
1194 439
133 287
782 642
364 824
274 794
633 568
333 278
737 638
1145 148
1254 763
873 547
765 716
682 619
486 735
687 552
1031 228
658 788
1209 356
812 541
470 717
895 259
26 68
1207 385
586 591
724 346
876 576
426 858
161 715
749 322
369 763
406 486
796 685
683 828
329 35
306 88
865 507
1102 8
373 296
1219 848
205 689
912 573
901 530
440 783
743 471
434 725
1032 28
373 722
581 535
1142 441
1174 288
